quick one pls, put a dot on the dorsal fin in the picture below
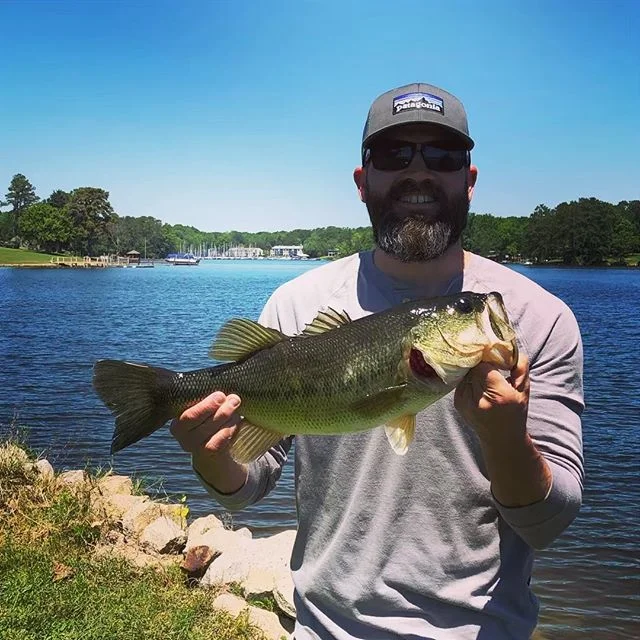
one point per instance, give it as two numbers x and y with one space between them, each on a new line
240 337
326 321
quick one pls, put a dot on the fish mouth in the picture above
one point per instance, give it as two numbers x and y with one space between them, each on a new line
493 340
421 369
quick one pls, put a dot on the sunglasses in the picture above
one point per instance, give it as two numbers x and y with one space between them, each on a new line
395 155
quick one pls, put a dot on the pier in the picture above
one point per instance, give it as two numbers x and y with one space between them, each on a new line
87 262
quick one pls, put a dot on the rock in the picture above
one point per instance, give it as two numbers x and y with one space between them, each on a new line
268 622
115 485
283 594
115 506
221 540
227 568
197 561
244 533
233 605
260 566
163 535
44 469
272 556
73 478
142 514
200 526
259 582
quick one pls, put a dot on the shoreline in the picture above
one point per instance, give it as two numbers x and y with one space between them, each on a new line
51 265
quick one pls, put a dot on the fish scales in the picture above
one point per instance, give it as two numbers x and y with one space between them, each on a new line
340 377
307 384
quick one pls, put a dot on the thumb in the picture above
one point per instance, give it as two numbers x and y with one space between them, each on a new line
519 377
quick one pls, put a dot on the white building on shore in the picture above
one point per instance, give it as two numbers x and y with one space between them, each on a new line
288 251
244 252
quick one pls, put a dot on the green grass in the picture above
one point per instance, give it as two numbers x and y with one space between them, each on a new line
54 587
101 599
21 256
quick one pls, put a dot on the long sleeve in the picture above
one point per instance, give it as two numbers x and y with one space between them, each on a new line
263 474
554 423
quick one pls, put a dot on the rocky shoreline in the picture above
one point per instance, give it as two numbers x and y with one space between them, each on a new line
148 532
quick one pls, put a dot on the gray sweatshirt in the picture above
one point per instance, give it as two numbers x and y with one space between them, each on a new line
416 546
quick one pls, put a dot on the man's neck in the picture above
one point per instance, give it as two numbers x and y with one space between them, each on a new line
431 274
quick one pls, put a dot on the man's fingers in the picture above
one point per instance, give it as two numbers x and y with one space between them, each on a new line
206 417
220 440
225 411
520 373
196 415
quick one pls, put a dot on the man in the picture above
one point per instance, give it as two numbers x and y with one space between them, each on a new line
438 543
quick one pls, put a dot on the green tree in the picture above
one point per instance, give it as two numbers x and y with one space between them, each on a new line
5 225
46 227
623 239
539 242
631 211
91 212
584 231
59 198
20 195
144 234
482 235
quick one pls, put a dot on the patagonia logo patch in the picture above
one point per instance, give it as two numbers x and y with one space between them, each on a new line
417 100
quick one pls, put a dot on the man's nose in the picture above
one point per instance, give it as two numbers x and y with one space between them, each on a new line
418 164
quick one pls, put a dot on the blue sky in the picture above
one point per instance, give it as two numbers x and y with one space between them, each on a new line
248 115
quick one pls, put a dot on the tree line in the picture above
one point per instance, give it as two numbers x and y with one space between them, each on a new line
82 221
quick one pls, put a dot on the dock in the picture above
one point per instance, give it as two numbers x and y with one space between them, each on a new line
87 262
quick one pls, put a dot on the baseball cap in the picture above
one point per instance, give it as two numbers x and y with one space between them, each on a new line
417 103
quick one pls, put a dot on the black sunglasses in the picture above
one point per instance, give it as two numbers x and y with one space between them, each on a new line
394 155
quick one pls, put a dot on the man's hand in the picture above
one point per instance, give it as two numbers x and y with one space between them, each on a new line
205 431
497 409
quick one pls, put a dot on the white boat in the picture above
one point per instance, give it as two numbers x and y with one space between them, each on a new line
186 259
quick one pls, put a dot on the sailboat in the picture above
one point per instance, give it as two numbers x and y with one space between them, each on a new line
147 264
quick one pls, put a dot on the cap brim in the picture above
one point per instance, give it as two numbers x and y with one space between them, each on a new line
451 131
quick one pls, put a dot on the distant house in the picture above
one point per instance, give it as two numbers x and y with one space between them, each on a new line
244 252
332 253
288 251
133 257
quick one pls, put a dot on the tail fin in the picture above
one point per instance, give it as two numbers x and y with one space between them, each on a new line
138 396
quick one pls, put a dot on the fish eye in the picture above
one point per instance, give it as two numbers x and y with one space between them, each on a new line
463 305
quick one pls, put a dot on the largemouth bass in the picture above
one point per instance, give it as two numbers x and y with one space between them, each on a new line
338 376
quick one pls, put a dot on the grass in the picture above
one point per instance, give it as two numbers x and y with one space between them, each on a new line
21 256
54 587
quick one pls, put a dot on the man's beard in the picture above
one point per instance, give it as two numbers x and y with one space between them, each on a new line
414 237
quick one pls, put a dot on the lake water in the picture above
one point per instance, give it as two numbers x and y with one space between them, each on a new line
55 323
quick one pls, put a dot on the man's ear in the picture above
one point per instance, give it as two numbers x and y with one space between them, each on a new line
358 178
473 178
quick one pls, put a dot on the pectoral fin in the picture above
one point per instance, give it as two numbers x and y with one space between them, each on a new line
251 441
400 433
